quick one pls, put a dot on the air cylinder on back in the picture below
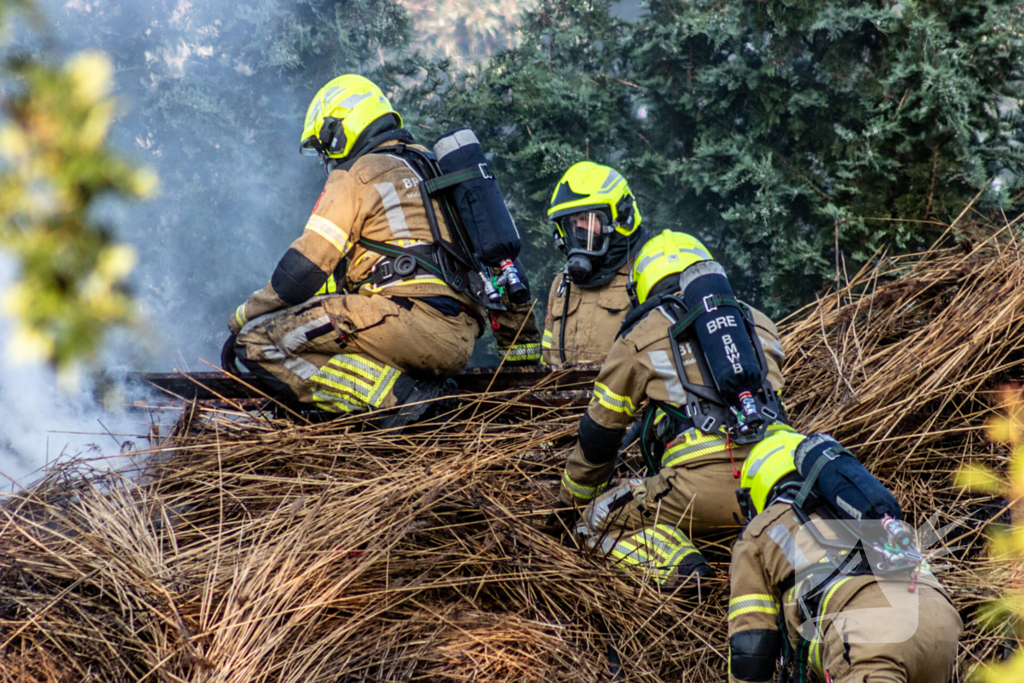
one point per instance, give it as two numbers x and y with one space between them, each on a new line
721 331
843 481
482 209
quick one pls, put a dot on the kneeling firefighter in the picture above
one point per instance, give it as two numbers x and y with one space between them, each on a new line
708 368
414 237
827 576
597 228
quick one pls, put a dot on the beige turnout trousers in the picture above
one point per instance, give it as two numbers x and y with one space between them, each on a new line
352 353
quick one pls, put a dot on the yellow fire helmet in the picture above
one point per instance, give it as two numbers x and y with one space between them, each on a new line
599 201
668 253
340 112
769 461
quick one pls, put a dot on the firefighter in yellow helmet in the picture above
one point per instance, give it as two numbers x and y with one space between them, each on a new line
842 599
597 228
709 397
359 313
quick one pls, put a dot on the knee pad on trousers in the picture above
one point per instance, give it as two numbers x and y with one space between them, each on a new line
274 387
352 383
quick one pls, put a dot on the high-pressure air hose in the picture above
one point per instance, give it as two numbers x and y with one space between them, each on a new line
565 314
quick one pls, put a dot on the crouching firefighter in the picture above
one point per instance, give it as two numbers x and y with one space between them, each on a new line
826 575
597 228
708 368
384 293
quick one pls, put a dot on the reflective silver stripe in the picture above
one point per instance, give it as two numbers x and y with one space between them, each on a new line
705 444
344 384
756 463
646 261
393 207
352 100
666 370
385 384
774 345
300 367
520 352
337 403
345 359
329 231
787 544
450 143
743 605
313 113
597 514
682 554
297 337
610 182
612 401
580 491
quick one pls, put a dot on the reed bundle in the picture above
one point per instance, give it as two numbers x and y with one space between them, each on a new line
250 549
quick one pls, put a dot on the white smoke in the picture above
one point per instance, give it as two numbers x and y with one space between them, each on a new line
43 422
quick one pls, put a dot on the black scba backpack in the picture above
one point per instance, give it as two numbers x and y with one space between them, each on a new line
735 396
865 520
482 232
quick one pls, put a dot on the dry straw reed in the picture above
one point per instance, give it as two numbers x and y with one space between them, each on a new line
251 549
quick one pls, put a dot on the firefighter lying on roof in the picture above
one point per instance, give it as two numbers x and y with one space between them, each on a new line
827 575
707 366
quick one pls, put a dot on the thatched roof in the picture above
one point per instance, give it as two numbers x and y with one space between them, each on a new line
252 549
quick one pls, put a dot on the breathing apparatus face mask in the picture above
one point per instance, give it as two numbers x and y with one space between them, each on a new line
587 236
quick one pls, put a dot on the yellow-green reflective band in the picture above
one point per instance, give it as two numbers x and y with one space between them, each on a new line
663 542
418 280
330 232
681 555
754 602
240 316
329 287
751 596
693 444
814 656
692 447
324 402
612 401
548 340
521 351
579 490
356 379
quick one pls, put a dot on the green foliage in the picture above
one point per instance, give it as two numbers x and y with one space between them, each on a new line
559 97
56 165
795 116
772 130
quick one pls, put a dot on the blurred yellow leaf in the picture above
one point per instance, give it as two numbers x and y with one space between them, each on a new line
117 261
1012 670
1003 430
979 479
13 145
91 76
97 123
145 183
28 345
